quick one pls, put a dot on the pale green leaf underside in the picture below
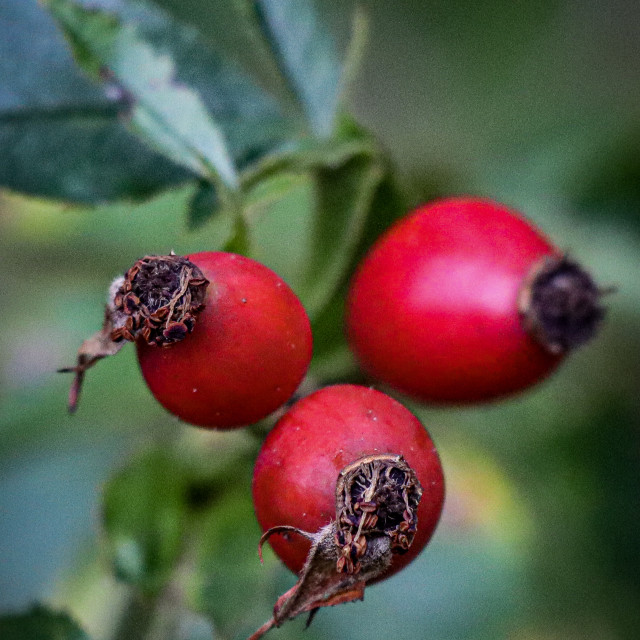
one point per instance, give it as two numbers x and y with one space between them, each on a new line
168 114
301 47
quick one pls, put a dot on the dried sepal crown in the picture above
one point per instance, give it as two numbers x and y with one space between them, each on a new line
158 300
376 495
559 303
377 498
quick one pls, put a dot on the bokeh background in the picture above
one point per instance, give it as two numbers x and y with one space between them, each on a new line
535 104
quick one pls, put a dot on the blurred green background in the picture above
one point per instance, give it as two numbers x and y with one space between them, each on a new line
534 104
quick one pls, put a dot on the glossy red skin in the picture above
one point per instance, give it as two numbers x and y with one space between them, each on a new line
433 308
295 474
247 354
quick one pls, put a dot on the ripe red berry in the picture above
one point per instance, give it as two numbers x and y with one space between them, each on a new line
298 468
464 300
247 354
222 340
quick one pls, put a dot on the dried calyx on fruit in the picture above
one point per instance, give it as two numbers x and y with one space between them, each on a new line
375 496
157 300
559 304
376 504
464 300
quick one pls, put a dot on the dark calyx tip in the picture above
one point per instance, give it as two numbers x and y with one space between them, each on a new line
158 300
562 305
376 496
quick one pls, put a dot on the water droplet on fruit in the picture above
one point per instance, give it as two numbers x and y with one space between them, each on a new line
244 301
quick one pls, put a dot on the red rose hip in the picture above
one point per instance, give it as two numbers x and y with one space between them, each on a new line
222 340
329 437
247 354
464 300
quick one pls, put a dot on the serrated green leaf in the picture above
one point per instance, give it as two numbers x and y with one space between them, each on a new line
304 51
145 517
168 114
82 156
60 137
40 623
63 137
250 117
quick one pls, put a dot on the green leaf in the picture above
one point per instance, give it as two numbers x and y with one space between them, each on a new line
202 205
308 154
240 240
151 506
230 586
311 236
40 623
303 49
63 137
270 190
355 52
332 359
145 519
344 198
168 114
251 119
60 136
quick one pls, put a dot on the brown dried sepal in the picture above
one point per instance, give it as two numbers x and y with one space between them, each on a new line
377 495
158 300
98 346
559 304
376 502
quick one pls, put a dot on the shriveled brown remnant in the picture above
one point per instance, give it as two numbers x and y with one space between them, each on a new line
376 504
559 304
157 300
377 495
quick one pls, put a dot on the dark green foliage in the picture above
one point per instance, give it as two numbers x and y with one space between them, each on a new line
40 623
